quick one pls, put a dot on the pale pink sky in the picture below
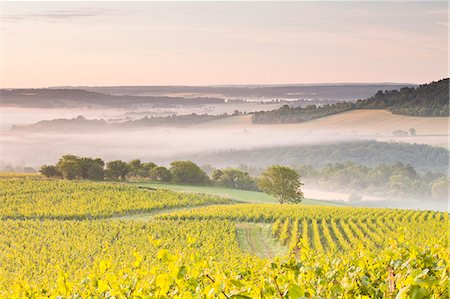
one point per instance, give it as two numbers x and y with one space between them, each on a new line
203 43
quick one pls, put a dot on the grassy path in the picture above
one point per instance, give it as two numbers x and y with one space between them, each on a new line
236 194
256 239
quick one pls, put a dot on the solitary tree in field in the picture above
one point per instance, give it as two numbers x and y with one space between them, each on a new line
283 183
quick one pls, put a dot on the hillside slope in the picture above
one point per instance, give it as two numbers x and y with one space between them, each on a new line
375 124
426 100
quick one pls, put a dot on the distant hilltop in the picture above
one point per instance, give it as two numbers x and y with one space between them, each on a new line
166 96
424 100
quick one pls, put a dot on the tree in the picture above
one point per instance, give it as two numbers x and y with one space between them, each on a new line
187 172
29 170
160 174
91 169
412 132
281 182
95 170
135 168
116 169
69 166
439 189
146 169
234 178
50 171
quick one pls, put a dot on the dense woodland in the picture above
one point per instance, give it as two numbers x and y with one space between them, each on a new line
426 100
83 124
393 181
76 98
367 153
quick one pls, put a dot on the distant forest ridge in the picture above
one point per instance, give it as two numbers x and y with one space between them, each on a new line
76 98
169 96
349 91
370 153
425 100
80 123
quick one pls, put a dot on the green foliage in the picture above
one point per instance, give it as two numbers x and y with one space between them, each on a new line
117 169
364 152
287 114
234 178
397 180
161 174
69 166
426 100
137 169
50 171
74 167
91 169
281 182
187 172
439 189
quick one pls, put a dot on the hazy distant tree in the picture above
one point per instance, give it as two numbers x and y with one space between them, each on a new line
116 169
410 172
29 169
50 171
399 184
283 183
399 133
207 168
8 168
160 174
439 189
412 132
187 172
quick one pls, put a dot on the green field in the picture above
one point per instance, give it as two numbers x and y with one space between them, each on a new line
236 194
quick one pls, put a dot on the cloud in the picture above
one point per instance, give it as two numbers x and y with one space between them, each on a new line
66 14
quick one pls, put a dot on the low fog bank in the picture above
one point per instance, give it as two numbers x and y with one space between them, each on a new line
159 144
11 116
347 198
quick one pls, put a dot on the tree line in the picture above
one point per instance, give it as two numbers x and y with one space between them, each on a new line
369 153
426 100
280 181
396 180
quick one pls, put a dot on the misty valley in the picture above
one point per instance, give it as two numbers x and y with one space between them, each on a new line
224 150
248 128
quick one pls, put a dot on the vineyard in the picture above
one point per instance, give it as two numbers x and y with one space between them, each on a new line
62 239
329 229
32 197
